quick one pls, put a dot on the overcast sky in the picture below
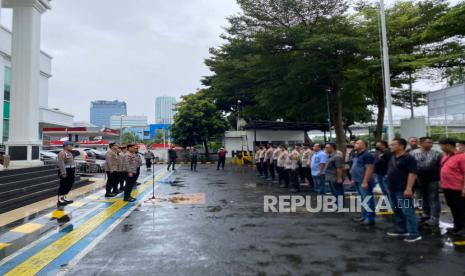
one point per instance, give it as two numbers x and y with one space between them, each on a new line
112 49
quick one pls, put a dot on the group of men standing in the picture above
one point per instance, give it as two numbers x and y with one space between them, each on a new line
295 165
122 165
403 169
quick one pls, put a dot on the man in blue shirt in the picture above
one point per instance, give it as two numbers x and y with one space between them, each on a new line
318 164
362 176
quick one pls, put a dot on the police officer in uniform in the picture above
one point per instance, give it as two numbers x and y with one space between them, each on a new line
121 173
111 166
269 160
66 172
139 164
130 166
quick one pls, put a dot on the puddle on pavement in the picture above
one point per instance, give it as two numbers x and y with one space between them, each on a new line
255 249
127 228
213 209
219 183
292 258
177 183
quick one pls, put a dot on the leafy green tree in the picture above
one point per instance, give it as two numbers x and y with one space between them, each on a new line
407 21
130 138
159 136
197 121
286 59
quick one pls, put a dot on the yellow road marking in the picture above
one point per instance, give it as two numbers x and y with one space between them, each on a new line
459 243
41 259
384 213
27 228
57 214
3 245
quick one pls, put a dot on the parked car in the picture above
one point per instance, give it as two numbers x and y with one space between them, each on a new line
48 157
85 161
99 155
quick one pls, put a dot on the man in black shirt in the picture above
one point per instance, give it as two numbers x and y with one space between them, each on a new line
401 176
382 157
172 156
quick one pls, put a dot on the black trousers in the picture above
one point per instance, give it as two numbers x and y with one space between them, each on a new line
286 177
259 167
271 166
457 207
130 180
172 162
112 182
280 174
148 163
301 172
265 168
294 178
137 174
221 163
122 179
307 175
193 163
66 183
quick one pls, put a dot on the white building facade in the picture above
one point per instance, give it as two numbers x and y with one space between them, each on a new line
164 110
24 74
118 122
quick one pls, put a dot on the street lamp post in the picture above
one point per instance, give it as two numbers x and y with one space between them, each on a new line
121 130
329 113
387 71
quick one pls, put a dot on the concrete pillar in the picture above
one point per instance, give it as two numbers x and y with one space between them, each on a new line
2 81
2 92
24 143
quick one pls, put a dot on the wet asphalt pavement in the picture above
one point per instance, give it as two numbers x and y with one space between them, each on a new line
231 235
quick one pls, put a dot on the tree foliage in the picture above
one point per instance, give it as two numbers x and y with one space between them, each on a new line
197 120
290 59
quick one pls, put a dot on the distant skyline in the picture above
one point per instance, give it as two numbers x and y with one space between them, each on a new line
117 50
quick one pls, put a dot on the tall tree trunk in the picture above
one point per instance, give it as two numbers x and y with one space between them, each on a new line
339 121
207 153
381 104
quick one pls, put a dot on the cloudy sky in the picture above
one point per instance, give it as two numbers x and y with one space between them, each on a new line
112 49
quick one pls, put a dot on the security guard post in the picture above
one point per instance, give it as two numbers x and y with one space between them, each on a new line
67 169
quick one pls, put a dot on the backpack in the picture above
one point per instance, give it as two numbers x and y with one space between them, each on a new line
222 154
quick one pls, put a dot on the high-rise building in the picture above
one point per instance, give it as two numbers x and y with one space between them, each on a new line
116 122
164 110
101 112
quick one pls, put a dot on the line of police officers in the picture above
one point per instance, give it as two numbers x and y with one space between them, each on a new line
290 164
122 165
